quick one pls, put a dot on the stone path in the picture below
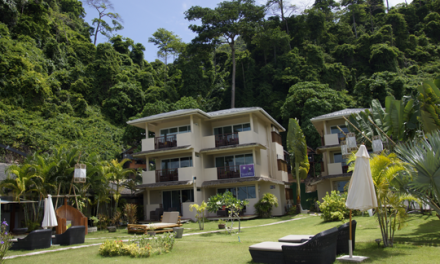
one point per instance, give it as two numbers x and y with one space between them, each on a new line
126 240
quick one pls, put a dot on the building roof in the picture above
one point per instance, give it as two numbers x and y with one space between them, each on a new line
337 114
209 115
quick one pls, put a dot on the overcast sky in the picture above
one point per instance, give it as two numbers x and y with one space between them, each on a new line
143 17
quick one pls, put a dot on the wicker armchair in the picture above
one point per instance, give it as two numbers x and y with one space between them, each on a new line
73 235
344 235
155 215
321 249
36 239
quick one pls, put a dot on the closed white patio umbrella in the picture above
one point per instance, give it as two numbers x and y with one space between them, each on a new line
361 193
49 220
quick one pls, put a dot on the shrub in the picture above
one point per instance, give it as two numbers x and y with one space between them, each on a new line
333 207
292 210
118 248
130 213
103 221
264 206
5 242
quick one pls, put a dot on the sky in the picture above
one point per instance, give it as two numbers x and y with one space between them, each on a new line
143 17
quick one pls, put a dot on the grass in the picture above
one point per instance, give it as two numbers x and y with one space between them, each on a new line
417 243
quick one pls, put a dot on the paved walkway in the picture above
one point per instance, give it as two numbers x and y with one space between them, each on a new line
126 240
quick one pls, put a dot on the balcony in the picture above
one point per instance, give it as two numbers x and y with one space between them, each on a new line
215 141
332 139
168 141
226 139
167 175
276 138
228 172
282 165
336 168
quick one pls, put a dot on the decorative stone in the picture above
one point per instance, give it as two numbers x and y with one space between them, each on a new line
111 228
92 229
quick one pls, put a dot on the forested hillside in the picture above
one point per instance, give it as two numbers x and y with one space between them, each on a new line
57 87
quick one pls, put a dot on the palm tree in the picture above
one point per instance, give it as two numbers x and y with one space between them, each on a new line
45 170
424 156
297 146
388 173
116 175
20 180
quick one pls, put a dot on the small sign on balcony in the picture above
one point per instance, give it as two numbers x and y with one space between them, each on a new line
247 170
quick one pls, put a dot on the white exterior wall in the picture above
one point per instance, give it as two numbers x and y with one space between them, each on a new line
279 193
201 137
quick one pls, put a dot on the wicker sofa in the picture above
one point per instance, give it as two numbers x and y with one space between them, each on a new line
343 237
36 239
320 249
73 235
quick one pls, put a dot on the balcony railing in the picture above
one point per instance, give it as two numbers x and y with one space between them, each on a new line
282 165
226 139
276 138
228 172
166 141
166 175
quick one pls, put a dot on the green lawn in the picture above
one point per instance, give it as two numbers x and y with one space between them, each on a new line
417 243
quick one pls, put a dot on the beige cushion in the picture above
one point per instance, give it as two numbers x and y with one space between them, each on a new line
271 246
294 238
166 217
174 217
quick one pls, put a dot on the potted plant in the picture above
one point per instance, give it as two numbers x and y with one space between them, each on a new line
151 231
221 224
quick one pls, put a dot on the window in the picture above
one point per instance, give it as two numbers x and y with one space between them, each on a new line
335 130
337 158
177 163
230 129
187 196
244 192
243 159
340 186
175 130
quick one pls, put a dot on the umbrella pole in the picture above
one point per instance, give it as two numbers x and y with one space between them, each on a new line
350 245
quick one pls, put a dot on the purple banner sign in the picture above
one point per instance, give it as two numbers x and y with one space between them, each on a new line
247 170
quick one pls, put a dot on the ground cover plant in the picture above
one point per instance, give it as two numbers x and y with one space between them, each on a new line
417 243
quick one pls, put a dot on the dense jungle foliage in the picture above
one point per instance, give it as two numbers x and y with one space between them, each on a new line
57 87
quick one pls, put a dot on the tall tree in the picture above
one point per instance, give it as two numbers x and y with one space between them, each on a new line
297 147
102 6
280 6
228 20
167 42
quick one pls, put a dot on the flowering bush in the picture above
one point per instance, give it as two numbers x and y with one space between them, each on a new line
333 207
5 243
140 247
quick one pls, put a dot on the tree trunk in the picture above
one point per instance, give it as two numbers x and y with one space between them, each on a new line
285 21
275 54
298 189
388 7
232 45
244 80
96 33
